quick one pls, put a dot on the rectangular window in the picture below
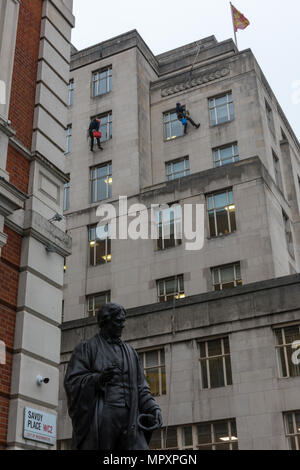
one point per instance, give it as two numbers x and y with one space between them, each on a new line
227 277
102 81
221 213
69 138
277 170
215 364
178 168
292 429
169 222
71 93
95 302
218 435
270 117
153 363
226 155
288 234
172 126
285 339
101 182
66 196
221 109
105 126
100 245
170 289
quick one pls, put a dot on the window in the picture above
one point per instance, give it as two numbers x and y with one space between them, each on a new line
170 289
178 168
100 245
155 370
66 196
277 170
102 81
169 227
270 117
215 365
221 213
227 277
285 337
226 155
288 234
221 109
95 302
71 93
292 430
172 126
101 182
68 138
105 126
164 439
219 435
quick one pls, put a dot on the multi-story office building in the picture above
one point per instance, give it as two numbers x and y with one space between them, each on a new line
34 74
214 327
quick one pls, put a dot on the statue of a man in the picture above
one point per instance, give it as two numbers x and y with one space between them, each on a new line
107 390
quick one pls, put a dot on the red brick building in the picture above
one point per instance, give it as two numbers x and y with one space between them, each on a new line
36 34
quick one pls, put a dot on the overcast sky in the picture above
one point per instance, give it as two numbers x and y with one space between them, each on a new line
273 35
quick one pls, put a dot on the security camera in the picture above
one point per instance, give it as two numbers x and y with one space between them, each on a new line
41 380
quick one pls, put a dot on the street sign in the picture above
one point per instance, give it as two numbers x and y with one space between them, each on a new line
39 426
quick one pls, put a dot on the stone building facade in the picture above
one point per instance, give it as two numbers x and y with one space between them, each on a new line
34 70
243 166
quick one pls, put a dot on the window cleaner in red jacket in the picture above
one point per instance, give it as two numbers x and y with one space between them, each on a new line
94 133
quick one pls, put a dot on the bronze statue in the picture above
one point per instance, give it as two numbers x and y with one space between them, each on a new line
109 399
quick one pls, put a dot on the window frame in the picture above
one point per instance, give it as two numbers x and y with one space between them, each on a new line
195 440
214 210
186 170
211 108
235 280
176 296
284 346
108 250
97 82
71 88
207 359
69 135
169 123
295 435
177 225
97 180
107 125
142 355
235 156
92 297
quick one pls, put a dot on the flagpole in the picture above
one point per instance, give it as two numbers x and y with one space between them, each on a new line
235 37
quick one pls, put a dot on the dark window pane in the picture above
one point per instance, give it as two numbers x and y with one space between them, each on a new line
222 221
151 358
212 225
232 219
228 370
187 436
216 373
163 381
294 368
204 379
171 437
292 334
204 434
100 252
214 347
221 431
155 442
289 423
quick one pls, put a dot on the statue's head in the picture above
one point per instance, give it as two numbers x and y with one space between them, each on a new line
111 319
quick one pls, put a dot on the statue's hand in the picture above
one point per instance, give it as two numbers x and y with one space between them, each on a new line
106 375
158 418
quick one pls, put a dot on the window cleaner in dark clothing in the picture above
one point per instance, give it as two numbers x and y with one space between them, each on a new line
94 132
184 117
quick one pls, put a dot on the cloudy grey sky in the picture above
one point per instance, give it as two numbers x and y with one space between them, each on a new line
273 35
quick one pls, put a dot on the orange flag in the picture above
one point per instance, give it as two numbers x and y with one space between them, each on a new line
239 20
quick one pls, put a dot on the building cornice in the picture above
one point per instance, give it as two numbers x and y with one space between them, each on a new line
11 198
